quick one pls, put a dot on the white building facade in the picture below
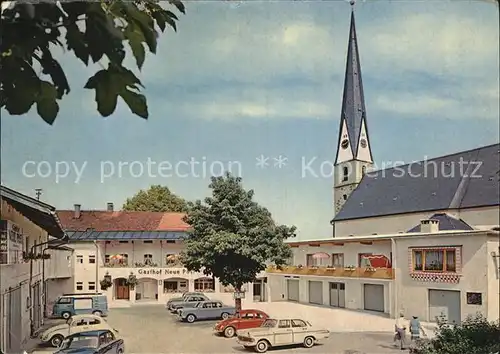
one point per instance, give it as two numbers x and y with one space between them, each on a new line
34 267
154 264
119 246
441 274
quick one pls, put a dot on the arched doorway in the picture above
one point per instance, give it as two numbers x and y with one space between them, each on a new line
122 290
146 289
175 285
204 285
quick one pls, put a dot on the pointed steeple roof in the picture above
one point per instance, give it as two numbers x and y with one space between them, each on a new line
353 101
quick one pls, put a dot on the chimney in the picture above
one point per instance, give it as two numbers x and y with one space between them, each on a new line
110 206
77 213
429 226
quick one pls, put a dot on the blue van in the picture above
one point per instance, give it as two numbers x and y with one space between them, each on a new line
68 305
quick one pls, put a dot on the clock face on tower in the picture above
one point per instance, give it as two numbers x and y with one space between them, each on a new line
344 144
363 143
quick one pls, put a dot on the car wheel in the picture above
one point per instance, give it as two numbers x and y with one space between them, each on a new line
309 342
191 318
97 313
56 340
66 315
229 332
119 351
262 346
224 315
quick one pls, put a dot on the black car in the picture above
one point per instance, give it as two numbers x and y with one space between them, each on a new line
92 342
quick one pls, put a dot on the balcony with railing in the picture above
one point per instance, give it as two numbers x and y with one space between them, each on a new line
341 272
148 263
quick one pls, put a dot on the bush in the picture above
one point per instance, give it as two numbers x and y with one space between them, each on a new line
475 335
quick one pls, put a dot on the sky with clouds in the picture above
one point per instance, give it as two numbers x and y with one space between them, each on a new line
244 79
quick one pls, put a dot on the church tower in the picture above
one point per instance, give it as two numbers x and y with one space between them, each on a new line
354 155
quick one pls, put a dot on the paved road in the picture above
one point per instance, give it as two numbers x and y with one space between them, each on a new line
152 329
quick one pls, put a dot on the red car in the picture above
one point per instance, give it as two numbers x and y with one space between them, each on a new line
242 320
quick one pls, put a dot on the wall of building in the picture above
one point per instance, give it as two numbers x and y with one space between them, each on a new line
493 257
393 224
412 296
86 273
158 249
354 290
17 275
60 264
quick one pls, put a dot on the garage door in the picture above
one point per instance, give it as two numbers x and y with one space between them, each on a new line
293 290
316 292
374 297
444 304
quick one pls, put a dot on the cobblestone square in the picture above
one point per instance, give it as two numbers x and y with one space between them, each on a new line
152 329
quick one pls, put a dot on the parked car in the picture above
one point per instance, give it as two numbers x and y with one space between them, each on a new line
206 310
281 332
181 298
244 319
68 305
92 342
187 301
76 324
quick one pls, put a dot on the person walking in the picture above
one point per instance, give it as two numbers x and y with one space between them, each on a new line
400 327
416 328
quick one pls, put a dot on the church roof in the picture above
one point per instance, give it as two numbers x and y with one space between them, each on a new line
446 223
466 179
353 100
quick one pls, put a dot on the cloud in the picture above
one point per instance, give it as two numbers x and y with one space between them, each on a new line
461 104
438 44
455 50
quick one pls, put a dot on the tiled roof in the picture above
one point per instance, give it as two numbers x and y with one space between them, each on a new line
122 221
436 184
446 223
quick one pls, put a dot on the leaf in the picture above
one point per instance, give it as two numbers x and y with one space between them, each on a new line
47 106
179 5
171 22
114 81
145 23
160 19
76 41
135 38
52 68
136 102
106 93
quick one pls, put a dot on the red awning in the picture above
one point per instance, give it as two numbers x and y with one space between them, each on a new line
378 261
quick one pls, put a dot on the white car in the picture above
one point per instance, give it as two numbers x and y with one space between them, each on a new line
281 332
75 324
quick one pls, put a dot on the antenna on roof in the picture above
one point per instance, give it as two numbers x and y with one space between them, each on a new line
38 193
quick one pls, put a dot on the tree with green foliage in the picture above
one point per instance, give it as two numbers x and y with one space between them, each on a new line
156 198
475 335
90 30
232 237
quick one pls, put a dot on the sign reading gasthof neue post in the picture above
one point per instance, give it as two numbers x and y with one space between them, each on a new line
165 271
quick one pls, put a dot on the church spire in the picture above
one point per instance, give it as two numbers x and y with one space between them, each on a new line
353 143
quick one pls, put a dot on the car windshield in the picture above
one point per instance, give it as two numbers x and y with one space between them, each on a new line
77 342
269 323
